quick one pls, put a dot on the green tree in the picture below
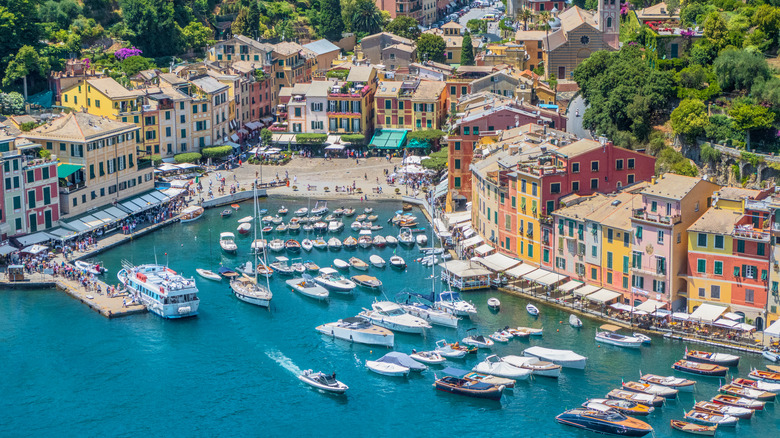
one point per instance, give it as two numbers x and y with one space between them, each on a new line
153 26
404 26
26 62
476 26
240 26
19 26
767 18
467 50
672 6
525 15
747 117
11 103
197 36
266 135
431 47
253 20
715 30
331 22
367 18
130 66
739 69
690 118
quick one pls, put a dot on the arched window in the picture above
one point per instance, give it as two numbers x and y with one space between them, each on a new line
609 22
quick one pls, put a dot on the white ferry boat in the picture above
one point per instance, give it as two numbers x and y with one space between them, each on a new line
161 289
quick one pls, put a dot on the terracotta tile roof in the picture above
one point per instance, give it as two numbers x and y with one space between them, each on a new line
79 126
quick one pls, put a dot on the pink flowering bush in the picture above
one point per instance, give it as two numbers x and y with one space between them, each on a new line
125 53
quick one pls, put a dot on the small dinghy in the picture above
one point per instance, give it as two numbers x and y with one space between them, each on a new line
306 244
320 243
235 206
754 394
267 229
379 241
739 402
757 384
350 243
244 228
391 240
397 262
282 211
308 287
421 239
718 409
210 275
449 351
276 245
530 308
648 388
227 272
226 213
340 264
722 359
428 357
292 245
574 321
325 382
692 428
476 340
377 261
334 244
303 211
494 303
711 419
498 337
258 246
644 399
281 228
682 385
771 355
311 266
245 220
358 264
367 281
356 226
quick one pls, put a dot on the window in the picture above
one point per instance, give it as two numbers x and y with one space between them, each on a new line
530 250
609 235
546 255
533 188
625 282
719 242
476 130
464 90
457 182
718 267
660 265
636 259
715 292
659 286
457 145
609 259
388 104
575 186
555 188
660 237
740 246
625 264
457 164
619 164
594 166
466 130
594 274
749 295
594 184
575 167
749 271
701 266
523 185
760 249
609 278
702 240
630 163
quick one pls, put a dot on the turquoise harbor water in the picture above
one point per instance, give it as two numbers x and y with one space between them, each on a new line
232 370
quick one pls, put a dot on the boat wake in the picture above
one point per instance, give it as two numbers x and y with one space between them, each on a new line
285 362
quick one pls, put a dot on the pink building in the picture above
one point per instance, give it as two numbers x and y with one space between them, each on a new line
400 8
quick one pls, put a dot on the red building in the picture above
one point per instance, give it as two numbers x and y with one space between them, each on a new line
543 5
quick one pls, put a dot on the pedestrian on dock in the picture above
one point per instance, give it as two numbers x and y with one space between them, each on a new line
124 302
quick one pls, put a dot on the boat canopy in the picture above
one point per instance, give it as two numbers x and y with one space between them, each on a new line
455 372
328 271
403 360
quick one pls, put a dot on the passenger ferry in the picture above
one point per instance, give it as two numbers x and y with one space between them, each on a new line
161 289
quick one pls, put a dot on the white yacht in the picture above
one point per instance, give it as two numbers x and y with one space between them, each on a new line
564 358
333 281
405 237
246 289
608 336
320 208
495 366
452 302
161 290
359 330
227 241
335 226
420 309
390 315
307 286
303 211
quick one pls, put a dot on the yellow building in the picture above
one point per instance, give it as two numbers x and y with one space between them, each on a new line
616 249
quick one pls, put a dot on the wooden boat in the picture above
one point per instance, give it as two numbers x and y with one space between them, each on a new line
722 359
205 273
367 281
469 388
647 388
773 368
311 266
604 420
645 399
358 264
350 243
682 385
766 376
694 429
719 409
623 406
740 402
757 384
702 369
754 394
227 272
711 419
226 213
533 310
190 214
292 245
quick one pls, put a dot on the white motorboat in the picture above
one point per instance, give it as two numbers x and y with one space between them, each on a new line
379 241
247 289
358 330
608 336
377 261
320 226
574 321
356 226
244 228
306 244
190 214
392 316
391 240
420 309
365 241
320 208
536 366
680 384
494 303
533 310
303 211
428 357
498 337
644 338
405 236
476 340
307 286
319 243
358 264
367 281
267 219
276 220
397 359
495 366
445 349
208 274
333 281
322 381
283 211
90 268
276 245
421 239
163 291
281 228
397 262
387 369
258 246
340 264
245 220
281 266
452 302
348 212
227 241
335 226
334 244
564 358
524 332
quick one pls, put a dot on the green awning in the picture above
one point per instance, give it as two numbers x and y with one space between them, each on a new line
388 139
65 170
419 144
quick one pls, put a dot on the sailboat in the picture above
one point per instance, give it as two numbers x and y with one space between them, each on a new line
246 288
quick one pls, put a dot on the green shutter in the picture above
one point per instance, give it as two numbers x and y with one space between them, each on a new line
638 232
736 271
701 265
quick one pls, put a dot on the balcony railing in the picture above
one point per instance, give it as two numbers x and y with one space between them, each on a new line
651 272
750 234
72 188
655 218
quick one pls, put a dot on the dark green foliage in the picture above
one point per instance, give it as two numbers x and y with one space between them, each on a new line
467 50
153 26
709 153
217 151
355 139
429 135
366 19
331 23
437 160
404 26
266 135
134 64
189 157
739 69
431 47
311 139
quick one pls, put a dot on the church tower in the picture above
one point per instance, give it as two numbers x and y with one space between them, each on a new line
609 21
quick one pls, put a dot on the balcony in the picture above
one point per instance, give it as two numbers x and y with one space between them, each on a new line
640 214
343 114
660 273
72 188
750 233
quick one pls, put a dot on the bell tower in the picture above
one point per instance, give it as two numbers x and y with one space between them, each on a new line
609 21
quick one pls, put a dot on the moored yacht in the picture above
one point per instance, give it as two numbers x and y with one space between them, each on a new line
451 301
419 308
161 290
606 421
360 330
392 316
333 281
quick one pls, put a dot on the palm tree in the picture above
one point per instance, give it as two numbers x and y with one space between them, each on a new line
544 23
526 15
367 17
